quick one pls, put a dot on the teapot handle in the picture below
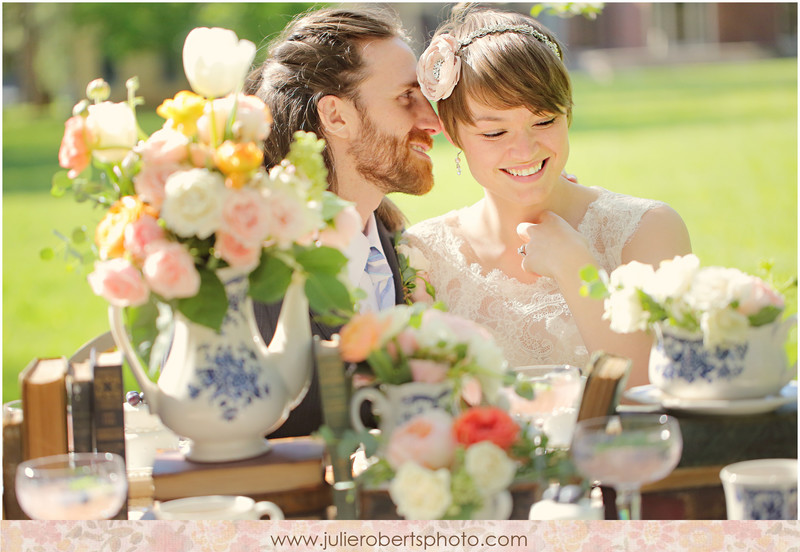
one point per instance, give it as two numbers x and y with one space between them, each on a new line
150 389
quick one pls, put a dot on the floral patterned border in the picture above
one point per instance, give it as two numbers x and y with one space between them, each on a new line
388 536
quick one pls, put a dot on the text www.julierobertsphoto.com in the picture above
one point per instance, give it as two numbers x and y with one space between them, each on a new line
336 540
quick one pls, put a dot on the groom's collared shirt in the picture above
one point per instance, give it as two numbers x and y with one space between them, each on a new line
358 253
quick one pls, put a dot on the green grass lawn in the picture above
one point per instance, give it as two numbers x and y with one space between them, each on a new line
717 142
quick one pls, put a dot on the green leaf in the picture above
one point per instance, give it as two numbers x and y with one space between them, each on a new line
387 370
141 321
332 204
210 304
47 253
60 184
589 273
79 235
327 294
324 260
269 281
765 316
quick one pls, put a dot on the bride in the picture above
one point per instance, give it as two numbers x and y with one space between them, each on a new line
504 97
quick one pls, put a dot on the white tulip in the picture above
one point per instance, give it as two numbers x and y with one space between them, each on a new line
113 126
216 61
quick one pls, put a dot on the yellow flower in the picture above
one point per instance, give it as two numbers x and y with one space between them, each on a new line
237 160
183 111
110 233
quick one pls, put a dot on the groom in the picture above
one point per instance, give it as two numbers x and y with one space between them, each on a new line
348 75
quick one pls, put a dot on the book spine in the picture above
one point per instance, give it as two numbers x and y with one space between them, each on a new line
81 400
109 420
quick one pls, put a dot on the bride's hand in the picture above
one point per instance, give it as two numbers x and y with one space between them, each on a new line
554 248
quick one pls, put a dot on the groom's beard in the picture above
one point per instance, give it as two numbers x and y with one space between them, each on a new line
388 162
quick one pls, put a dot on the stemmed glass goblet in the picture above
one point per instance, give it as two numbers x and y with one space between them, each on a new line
74 486
626 452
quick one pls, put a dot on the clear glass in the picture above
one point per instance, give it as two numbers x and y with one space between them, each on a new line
75 486
626 452
557 393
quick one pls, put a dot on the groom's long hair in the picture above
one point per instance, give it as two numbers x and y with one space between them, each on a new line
317 55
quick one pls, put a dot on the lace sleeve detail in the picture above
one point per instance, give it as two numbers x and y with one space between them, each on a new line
610 222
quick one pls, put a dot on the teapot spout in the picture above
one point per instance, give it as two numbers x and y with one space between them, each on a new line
291 343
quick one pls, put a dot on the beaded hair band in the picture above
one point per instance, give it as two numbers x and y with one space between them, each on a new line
504 28
439 66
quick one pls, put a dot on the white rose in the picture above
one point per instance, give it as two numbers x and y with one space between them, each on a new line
420 493
632 274
416 259
216 61
113 126
673 278
193 202
624 311
490 467
713 288
722 327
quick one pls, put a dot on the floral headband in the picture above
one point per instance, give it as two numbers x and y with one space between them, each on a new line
439 66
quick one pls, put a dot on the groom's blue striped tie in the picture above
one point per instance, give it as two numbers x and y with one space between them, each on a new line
381 276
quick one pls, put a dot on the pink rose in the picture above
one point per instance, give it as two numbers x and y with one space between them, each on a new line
426 439
235 253
406 340
118 282
246 217
150 181
346 224
140 234
428 371
439 68
169 270
74 153
201 155
755 294
164 147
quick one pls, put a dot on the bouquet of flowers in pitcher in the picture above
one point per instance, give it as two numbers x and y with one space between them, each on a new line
454 460
721 303
194 197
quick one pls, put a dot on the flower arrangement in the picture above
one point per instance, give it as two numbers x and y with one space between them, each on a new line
442 467
721 303
193 196
422 343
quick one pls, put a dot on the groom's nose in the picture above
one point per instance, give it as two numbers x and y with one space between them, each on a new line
426 118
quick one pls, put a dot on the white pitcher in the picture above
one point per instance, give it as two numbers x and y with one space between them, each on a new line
225 391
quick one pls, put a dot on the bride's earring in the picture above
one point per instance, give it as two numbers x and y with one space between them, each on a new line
458 163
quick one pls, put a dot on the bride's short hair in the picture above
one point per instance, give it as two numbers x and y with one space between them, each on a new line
504 69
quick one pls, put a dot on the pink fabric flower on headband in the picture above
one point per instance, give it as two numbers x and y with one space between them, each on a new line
439 68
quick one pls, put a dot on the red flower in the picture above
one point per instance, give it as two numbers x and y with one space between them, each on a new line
486 423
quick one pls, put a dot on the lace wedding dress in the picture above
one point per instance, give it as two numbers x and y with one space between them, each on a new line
531 322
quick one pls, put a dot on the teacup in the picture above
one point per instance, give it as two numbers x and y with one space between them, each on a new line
216 507
397 404
761 489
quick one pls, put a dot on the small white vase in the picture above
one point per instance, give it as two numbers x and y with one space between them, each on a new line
682 366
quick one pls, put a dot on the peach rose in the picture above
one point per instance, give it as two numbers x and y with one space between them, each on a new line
118 282
74 153
426 439
149 182
169 271
140 234
439 68
235 253
346 224
110 233
164 146
428 371
245 216
360 336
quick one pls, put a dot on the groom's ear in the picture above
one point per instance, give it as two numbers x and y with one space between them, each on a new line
337 115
